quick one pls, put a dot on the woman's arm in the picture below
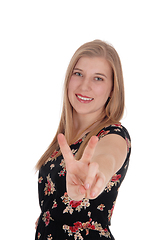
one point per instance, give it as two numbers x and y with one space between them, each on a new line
109 154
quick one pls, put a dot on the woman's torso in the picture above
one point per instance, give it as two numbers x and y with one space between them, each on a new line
62 218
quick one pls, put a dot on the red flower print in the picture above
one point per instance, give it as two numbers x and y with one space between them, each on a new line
79 141
40 180
62 172
101 207
54 204
52 166
128 144
117 125
54 153
39 235
49 186
90 225
116 177
73 229
49 237
65 198
46 218
75 204
78 225
89 214
112 209
110 212
102 133
113 182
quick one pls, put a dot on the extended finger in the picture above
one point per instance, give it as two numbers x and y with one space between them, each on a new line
64 147
91 175
89 150
98 187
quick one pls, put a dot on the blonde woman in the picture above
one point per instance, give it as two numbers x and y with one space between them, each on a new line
84 166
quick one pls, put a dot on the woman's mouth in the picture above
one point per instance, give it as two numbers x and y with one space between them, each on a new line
83 99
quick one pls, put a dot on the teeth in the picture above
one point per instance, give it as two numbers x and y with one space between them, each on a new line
85 99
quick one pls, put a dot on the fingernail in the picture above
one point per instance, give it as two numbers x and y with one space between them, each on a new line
93 194
87 186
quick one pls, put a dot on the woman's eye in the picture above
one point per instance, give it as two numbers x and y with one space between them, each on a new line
98 79
78 74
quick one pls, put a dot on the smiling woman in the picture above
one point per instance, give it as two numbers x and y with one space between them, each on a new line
84 166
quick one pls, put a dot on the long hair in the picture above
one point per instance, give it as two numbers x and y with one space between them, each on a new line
113 109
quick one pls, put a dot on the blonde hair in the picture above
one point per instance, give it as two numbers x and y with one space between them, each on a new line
113 109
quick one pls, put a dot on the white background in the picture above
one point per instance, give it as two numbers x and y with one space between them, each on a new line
37 40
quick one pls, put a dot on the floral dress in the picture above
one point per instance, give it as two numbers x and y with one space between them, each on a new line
65 219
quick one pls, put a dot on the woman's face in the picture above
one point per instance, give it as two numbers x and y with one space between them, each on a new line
90 86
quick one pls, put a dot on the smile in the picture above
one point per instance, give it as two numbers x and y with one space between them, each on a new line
83 98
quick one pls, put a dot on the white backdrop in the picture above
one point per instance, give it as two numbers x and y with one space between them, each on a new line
37 40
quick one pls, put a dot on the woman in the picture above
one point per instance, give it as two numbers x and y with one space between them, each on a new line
84 166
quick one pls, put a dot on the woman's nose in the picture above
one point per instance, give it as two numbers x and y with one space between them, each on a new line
86 84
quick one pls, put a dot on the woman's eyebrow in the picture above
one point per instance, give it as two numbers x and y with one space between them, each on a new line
101 74
78 69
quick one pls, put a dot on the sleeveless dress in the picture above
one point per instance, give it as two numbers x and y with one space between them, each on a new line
65 219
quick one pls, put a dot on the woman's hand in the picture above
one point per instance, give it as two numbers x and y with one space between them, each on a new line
83 178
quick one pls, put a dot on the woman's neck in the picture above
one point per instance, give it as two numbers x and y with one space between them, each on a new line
84 124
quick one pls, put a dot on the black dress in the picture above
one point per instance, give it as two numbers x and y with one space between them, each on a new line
65 219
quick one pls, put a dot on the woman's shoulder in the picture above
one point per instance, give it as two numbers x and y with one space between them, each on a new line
118 129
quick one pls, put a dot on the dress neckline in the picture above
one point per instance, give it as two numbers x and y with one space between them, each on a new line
81 139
